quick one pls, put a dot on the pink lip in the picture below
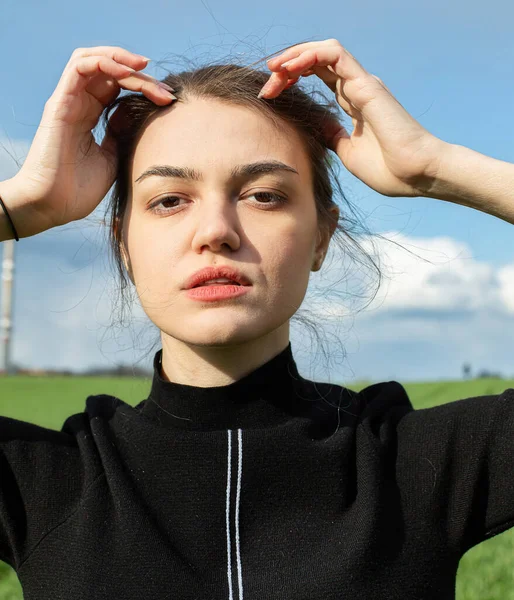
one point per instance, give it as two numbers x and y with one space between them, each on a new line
215 273
214 293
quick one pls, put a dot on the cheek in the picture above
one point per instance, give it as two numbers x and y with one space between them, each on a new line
289 260
152 265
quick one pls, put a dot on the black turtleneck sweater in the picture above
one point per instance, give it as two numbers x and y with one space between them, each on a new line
273 487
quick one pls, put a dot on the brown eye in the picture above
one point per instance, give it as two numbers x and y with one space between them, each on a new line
275 198
167 199
269 198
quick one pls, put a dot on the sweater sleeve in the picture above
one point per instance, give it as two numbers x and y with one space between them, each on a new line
40 482
456 462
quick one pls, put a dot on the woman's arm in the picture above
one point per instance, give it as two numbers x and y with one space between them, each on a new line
28 217
472 179
388 149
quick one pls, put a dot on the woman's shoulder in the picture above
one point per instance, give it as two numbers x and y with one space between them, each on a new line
387 414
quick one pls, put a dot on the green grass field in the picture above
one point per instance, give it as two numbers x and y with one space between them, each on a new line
486 572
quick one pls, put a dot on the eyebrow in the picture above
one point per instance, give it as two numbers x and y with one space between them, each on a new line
249 170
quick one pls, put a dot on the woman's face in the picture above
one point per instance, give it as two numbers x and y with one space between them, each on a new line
219 219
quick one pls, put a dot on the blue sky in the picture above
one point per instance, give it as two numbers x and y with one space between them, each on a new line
450 64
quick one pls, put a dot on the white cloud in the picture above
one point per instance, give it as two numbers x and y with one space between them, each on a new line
506 280
427 318
442 275
436 275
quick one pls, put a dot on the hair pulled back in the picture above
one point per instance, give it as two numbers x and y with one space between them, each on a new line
240 85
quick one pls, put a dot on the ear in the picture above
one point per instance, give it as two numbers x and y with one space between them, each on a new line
324 240
126 262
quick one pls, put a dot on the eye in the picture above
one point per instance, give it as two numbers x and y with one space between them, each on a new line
276 198
167 199
272 199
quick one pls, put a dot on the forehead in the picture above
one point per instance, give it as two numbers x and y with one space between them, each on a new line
209 134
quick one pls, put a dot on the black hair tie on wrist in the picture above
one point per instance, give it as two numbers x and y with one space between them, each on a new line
10 220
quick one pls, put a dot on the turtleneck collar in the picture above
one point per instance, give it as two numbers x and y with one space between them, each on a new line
271 394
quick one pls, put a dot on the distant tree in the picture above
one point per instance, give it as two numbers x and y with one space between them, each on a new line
117 371
484 373
466 371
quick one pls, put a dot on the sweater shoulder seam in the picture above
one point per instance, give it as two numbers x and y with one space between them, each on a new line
31 552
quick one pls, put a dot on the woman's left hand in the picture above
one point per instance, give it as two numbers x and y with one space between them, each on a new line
388 149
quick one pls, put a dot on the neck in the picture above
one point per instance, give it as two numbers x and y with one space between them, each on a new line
212 366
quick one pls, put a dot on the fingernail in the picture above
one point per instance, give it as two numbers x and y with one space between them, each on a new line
168 94
263 91
165 86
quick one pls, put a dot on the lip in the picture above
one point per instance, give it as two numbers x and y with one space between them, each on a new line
215 293
215 273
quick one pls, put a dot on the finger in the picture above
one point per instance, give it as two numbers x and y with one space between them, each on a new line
289 53
278 82
103 89
323 60
342 63
291 82
121 55
308 74
360 87
76 78
274 85
355 69
78 72
282 80
149 86
327 75
333 131
341 97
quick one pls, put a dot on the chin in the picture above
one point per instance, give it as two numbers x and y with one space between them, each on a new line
218 334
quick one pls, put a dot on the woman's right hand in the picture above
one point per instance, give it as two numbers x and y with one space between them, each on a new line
66 173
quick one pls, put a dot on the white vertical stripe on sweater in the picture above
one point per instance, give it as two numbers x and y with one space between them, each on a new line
229 566
239 470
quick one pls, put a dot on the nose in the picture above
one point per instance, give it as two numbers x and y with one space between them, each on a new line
216 226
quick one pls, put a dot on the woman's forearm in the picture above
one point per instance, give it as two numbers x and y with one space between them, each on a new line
12 200
472 179
28 215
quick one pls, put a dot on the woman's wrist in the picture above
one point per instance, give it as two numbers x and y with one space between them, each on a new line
26 213
464 176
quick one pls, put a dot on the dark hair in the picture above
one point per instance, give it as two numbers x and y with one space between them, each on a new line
240 85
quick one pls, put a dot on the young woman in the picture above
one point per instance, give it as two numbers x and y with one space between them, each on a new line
237 478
